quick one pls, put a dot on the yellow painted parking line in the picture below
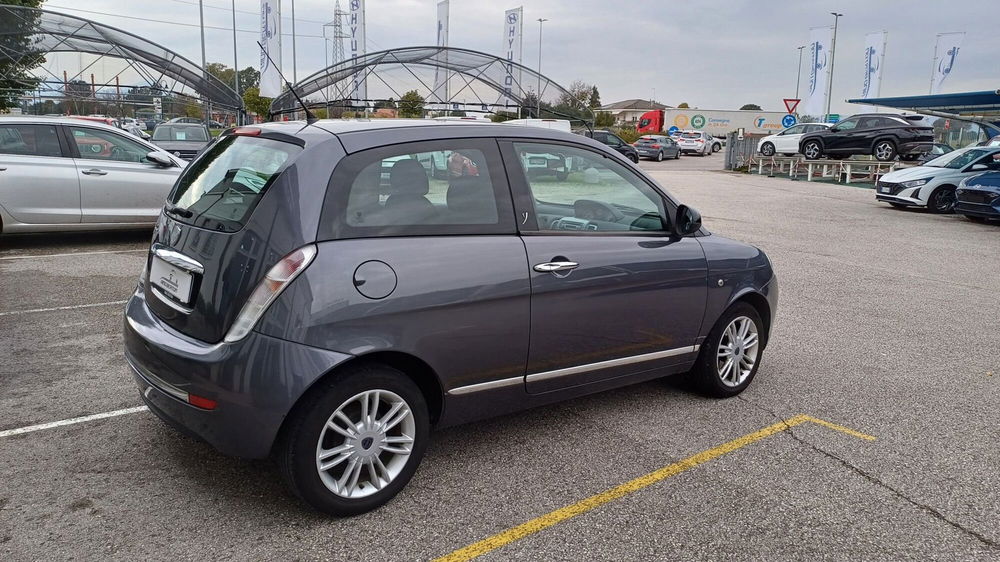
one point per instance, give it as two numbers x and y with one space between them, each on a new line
545 521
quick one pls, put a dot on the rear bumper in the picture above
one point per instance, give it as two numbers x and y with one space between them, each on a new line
255 382
914 147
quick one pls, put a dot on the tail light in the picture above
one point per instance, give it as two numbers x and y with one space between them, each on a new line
277 278
655 146
699 140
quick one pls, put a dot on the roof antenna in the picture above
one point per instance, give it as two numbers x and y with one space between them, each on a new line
310 118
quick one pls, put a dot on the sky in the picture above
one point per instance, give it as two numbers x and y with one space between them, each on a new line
712 55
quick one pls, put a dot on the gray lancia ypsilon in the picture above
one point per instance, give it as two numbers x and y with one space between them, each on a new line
326 293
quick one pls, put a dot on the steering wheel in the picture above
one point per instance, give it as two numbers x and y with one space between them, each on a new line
590 210
118 153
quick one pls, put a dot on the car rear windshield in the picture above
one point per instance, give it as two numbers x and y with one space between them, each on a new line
221 188
172 133
691 135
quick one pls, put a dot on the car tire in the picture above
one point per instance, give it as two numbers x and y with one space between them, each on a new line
942 200
710 373
633 158
767 149
884 151
677 156
659 156
812 150
309 432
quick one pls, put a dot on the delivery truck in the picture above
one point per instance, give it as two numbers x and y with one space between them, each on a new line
716 122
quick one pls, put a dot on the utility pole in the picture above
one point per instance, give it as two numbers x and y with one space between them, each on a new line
538 95
798 75
833 53
236 65
204 64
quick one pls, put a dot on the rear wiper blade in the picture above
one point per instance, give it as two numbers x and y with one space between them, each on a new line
177 211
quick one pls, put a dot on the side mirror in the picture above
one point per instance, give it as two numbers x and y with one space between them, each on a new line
979 168
160 159
687 221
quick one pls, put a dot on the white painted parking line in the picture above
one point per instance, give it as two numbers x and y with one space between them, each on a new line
53 309
71 254
50 425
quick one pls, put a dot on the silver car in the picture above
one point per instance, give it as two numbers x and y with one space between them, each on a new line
696 142
61 174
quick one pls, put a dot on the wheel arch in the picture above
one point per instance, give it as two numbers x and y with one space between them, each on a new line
413 367
760 304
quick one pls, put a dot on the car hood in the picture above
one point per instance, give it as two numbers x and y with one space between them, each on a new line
989 181
916 173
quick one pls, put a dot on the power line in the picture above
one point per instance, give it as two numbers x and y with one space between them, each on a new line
226 9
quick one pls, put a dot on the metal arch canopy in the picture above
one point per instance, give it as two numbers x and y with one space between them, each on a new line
474 66
52 32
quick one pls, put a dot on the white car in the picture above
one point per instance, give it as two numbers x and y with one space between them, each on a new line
695 142
787 142
59 174
933 184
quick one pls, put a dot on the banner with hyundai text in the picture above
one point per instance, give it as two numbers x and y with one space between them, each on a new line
945 53
270 38
512 43
356 34
820 39
874 56
441 74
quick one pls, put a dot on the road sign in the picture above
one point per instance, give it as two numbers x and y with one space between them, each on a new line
698 121
791 104
833 118
788 120
672 130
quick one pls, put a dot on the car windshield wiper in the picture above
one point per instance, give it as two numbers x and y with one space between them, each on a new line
177 211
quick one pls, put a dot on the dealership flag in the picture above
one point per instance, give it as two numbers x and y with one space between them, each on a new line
874 57
356 30
512 34
819 70
441 73
270 38
945 53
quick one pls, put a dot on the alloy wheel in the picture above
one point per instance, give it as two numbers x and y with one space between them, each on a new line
812 151
884 151
365 443
738 351
943 200
767 149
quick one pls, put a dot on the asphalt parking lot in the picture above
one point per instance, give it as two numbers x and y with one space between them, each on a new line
887 325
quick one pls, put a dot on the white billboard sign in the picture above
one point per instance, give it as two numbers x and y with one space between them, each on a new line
820 39
512 43
945 52
356 31
874 57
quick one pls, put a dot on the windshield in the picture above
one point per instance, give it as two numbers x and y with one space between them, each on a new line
691 136
957 159
644 122
222 187
173 133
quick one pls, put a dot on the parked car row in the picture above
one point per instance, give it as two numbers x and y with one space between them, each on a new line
880 135
966 181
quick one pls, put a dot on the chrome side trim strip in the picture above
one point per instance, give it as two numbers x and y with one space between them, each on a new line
177 259
490 385
612 363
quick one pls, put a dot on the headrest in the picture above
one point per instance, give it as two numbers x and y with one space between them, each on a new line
408 177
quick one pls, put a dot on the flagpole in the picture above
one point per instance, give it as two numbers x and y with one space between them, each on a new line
295 74
881 64
930 90
829 77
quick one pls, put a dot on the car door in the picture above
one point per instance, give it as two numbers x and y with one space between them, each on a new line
613 294
787 141
840 137
38 179
118 184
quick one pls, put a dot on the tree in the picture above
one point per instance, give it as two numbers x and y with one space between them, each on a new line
16 38
192 109
595 98
411 104
255 103
249 78
683 105
385 104
604 119
750 107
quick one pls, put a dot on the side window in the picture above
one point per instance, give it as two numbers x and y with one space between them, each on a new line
426 188
794 130
29 140
613 140
96 144
576 189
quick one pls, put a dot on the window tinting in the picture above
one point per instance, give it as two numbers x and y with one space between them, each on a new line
29 140
425 188
576 189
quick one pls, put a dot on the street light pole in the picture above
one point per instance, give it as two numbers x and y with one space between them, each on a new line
798 75
295 74
204 67
833 53
538 94
236 63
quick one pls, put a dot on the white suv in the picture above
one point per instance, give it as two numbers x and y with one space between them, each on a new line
787 142
695 142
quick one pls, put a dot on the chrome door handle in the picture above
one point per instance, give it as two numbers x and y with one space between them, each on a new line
95 172
553 266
